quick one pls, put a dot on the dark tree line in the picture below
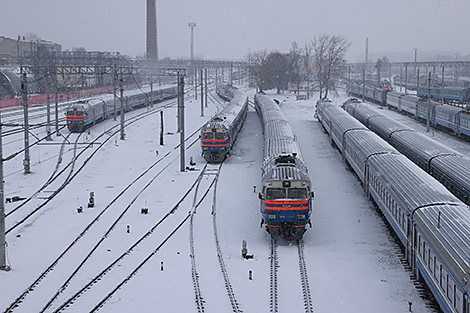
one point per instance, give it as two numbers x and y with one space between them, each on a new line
314 67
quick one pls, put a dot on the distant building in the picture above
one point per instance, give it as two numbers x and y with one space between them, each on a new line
11 48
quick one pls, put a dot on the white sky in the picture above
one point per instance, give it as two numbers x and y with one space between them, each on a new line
230 29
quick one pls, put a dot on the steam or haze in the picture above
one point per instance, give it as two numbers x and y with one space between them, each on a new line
230 29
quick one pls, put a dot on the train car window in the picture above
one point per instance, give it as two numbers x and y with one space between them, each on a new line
448 291
275 193
297 193
424 252
440 276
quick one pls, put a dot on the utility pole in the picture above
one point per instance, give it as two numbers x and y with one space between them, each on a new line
48 127
123 135
429 104
151 91
406 80
181 119
202 94
416 59
24 92
191 57
367 50
3 259
56 107
161 128
206 88
114 91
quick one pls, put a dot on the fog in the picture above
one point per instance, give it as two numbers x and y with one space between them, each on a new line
231 29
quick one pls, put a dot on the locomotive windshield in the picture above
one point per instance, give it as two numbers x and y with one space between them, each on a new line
275 193
214 135
286 193
207 135
298 193
220 135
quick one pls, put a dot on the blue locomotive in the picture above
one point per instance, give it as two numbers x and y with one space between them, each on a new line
219 134
286 195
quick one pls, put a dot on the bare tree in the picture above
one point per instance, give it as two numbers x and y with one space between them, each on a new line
330 51
296 66
255 61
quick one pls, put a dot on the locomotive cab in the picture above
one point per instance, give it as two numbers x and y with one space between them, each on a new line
215 144
75 118
285 206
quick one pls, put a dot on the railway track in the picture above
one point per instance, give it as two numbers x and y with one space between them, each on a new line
211 173
75 250
274 279
96 144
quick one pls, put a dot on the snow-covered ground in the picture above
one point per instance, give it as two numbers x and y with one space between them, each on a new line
352 260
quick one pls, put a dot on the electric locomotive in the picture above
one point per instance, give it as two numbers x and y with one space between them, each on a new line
220 132
286 196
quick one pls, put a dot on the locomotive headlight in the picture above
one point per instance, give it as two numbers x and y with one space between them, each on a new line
271 216
301 216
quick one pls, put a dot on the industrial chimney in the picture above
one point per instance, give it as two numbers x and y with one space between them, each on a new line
152 49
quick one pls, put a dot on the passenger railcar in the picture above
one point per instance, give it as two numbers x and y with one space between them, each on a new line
372 93
286 195
447 165
446 94
431 223
219 134
442 116
85 113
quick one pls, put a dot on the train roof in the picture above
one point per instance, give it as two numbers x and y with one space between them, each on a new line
278 130
456 88
385 126
366 143
450 109
414 187
395 94
344 123
456 167
277 147
363 113
225 118
446 229
410 98
421 145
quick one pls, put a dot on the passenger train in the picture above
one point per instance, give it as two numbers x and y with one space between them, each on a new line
286 195
85 113
448 166
431 223
219 134
446 94
442 116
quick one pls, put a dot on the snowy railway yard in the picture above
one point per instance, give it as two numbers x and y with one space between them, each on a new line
185 254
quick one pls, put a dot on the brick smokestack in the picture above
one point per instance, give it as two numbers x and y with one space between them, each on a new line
152 49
